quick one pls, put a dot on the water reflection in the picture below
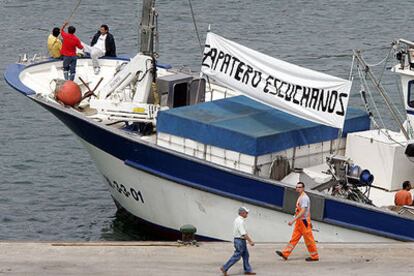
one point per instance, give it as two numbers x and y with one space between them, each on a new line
124 227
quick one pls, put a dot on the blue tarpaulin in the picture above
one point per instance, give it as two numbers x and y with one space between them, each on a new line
244 125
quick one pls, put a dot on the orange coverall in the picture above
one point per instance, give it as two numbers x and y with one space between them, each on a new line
302 230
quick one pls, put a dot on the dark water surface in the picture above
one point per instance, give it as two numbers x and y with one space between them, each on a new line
50 189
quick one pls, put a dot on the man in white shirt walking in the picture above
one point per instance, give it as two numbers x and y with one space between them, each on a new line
240 237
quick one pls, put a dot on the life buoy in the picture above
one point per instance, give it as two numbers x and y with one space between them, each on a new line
68 93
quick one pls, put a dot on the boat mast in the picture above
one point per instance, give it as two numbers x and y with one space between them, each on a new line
381 90
147 27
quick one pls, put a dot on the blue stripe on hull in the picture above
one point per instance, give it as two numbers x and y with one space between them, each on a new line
11 75
367 219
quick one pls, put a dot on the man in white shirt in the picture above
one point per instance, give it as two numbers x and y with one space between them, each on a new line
103 44
240 237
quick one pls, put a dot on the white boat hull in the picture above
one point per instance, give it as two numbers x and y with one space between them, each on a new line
170 205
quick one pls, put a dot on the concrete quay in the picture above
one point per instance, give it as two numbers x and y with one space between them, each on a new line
169 258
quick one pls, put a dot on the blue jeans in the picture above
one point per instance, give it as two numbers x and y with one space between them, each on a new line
239 252
69 67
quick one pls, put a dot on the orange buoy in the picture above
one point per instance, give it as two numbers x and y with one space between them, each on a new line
69 93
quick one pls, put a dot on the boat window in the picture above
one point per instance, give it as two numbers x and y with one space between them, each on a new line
180 94
410 98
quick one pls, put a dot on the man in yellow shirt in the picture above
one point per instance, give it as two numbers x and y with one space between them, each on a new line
54 44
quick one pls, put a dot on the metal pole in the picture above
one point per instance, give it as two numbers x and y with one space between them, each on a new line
147 28
381 90
406 42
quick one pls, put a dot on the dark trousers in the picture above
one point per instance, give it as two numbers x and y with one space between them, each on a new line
240 251
69 67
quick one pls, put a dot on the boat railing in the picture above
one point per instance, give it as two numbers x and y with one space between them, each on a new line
36 58
216 92
404 50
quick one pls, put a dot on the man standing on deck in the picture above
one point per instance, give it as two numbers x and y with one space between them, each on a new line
303 227
102 44
240 237
69 45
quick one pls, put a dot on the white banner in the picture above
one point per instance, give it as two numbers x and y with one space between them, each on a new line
299 91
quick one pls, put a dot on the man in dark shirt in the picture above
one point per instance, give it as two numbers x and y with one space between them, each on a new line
102 44
110 48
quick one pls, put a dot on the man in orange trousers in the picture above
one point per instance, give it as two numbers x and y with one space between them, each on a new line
303 227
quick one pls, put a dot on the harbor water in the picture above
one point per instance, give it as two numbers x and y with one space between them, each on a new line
50 188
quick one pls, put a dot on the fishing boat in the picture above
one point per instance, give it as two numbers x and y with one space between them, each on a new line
178 148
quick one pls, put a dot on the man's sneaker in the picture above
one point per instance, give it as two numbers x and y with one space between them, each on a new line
281 254
223 271
309 259
96 70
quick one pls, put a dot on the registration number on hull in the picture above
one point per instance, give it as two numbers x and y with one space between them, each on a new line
125 191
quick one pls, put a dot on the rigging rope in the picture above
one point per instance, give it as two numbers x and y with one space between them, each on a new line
195 25
366 88
74 10
351 73
382 129
365 84
201 46
383 60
